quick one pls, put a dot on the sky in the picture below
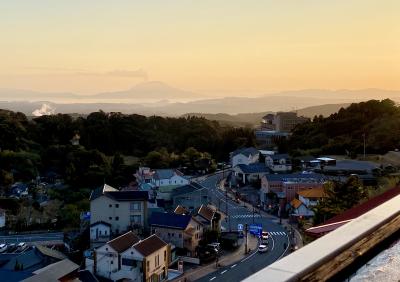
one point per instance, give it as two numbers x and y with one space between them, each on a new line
203 46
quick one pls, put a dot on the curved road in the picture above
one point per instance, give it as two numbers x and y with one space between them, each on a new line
278 245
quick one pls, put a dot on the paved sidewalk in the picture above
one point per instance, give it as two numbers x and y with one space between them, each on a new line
228 259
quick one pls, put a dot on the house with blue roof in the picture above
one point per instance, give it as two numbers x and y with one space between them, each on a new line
279 163
182 231
244 156
251 172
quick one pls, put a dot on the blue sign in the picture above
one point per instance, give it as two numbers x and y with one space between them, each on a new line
240 227
256 229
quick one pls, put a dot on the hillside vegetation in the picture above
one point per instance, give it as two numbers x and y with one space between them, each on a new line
343 132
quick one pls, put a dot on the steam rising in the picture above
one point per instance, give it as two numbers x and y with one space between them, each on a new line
45 110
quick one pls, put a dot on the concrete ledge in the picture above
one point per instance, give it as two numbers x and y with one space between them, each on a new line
328 255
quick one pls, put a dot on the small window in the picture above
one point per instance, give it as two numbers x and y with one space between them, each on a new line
109 205
148 265
117 218
117 205
106 249
112 262
173 234
110 218
180 235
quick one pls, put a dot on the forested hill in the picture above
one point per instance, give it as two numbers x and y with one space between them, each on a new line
343 131
29 147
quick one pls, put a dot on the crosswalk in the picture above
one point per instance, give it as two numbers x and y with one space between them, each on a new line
245 216
277 233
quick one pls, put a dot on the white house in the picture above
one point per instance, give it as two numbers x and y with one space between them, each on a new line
244 156
129 258
100 233
161 177
278 162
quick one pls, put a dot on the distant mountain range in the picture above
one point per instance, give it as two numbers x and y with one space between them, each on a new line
164 102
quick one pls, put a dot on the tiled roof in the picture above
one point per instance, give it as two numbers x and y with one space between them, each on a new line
296 203
354 212
317 192
123 242
206 212
128 195
166 173
186 189
170 220
149 245
50 252
254 168
246 151
180 210
53 272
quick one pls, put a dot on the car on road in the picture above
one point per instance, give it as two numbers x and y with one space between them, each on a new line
22 246
264 236
215 246
3 248
262 248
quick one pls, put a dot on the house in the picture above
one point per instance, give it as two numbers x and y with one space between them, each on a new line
278 162
353 213
209 217
161 177
64 270
129 258
251 172
190 196
29 261
181 210
307 199
100 233
122 210
2 218
286 186
182 231
244 156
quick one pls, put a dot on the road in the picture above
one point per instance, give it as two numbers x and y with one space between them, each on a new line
38 237
278 242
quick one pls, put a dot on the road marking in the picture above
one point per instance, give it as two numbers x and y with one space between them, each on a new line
286 247
224 271
250 256
273 243
213 278
233 265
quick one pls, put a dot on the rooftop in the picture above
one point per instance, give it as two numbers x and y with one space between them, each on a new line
123 242
294 177
118 195
171 220
149 245
317 192
253 168
53 272
246 151
296 203
206 212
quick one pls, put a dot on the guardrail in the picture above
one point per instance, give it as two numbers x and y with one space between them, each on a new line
327 256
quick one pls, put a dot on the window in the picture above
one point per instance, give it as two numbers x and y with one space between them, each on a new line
112 262
148 266
129 262
109 205
157 260
172 234
117 218
136 206
136 219
165 255
110 218
180 235
117 205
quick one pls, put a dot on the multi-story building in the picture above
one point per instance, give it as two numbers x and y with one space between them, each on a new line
128 257
190 196
286 186
282 121
122 210
183 231
210 218
278 162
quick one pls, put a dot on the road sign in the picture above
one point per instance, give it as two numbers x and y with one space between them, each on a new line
240 227
256 229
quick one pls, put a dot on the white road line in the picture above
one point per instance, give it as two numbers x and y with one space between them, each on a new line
213 278
233 265
288 244
224 271
273 243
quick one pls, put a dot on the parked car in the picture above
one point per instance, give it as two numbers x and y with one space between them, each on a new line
3 248
22 246
11 247
262 248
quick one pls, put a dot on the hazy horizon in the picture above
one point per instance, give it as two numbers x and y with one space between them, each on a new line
210 49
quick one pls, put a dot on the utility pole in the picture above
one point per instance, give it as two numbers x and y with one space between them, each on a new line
246 228
364 144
